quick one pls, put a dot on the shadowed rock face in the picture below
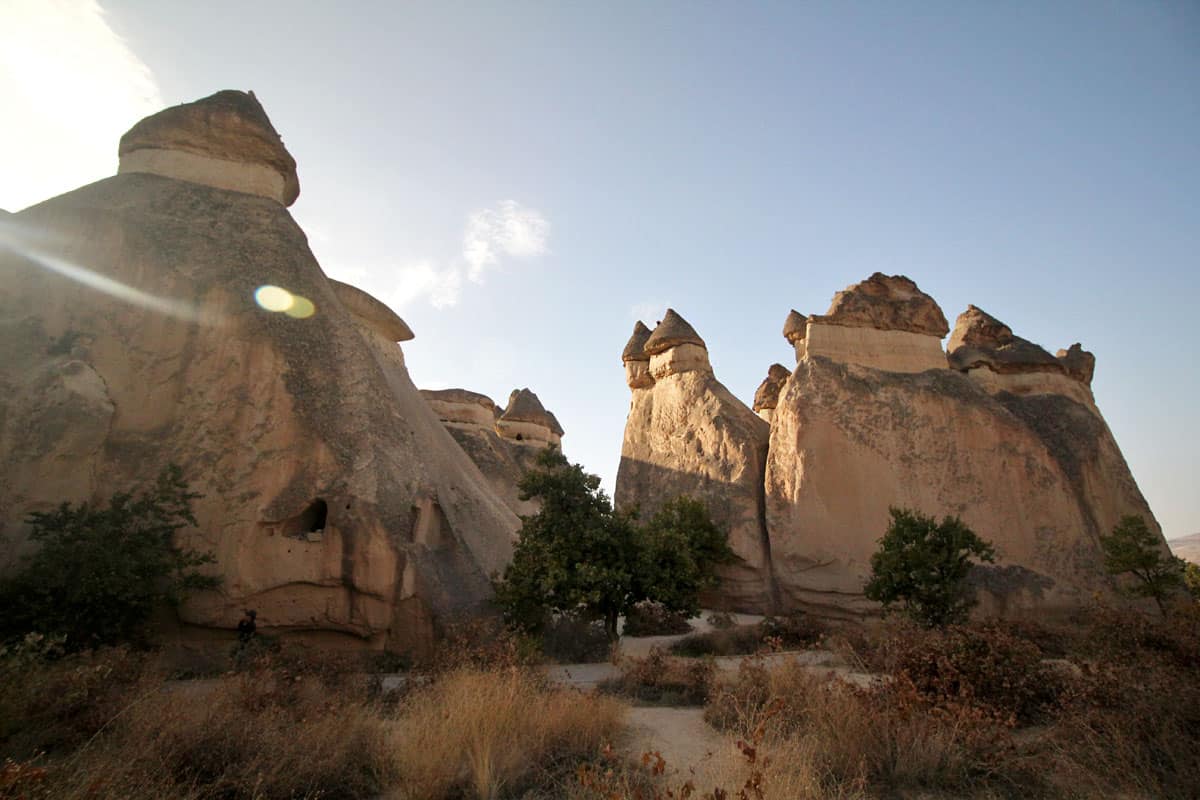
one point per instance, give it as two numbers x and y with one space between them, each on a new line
335 502
1011 442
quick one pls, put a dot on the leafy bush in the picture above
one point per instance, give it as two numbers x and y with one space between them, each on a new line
923 565
101 572
569 639
649 618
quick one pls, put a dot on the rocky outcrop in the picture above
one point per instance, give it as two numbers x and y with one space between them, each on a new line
986 349
636 360
686 434
499 440
334 500
883 322
1078 363
1003 435
224 140
766 397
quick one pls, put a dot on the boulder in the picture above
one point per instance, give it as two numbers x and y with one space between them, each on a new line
687 434
766 397
886 303
883 322
795 328
224 140
334 500
1078 363
986 349
636 360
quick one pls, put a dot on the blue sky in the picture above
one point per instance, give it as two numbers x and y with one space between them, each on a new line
733 161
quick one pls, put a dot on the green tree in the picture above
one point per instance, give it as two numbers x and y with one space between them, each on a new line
578 556
100 572
1133 549
923 565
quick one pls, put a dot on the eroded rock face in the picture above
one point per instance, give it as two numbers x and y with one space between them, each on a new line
225 140
873 416
335 501
475 423
686 434
1040 477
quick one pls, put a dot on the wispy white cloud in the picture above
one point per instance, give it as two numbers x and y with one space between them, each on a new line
441 286
69 87
510 230
493 236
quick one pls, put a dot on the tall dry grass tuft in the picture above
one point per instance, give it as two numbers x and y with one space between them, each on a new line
825 738
478 734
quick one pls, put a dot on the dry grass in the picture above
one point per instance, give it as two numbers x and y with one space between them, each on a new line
283 730
484 734
661 680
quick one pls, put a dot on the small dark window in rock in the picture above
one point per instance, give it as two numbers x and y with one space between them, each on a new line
313 517
520 437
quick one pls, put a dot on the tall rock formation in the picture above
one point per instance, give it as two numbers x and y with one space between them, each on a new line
335 502
503 443
686 434
1006 439
875 415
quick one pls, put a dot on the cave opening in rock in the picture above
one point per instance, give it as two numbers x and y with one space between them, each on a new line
520 438
312 519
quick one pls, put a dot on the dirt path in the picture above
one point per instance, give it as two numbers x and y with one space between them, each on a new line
691 748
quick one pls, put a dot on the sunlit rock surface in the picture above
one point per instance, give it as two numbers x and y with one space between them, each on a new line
335 501
874 415
686 434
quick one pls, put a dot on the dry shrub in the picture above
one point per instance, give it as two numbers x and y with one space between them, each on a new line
791 631
479 734
649 618
52 704
481 643
822 737
984 668
568 639
662 680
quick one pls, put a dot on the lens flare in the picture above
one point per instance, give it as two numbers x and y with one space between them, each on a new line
280 300
274 298
302 308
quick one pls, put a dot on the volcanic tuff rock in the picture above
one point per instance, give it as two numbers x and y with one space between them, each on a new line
1078 363
224 140
497 440
686 434
636 360
886 303
863 424
884 322
766 397
987 350
335 501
